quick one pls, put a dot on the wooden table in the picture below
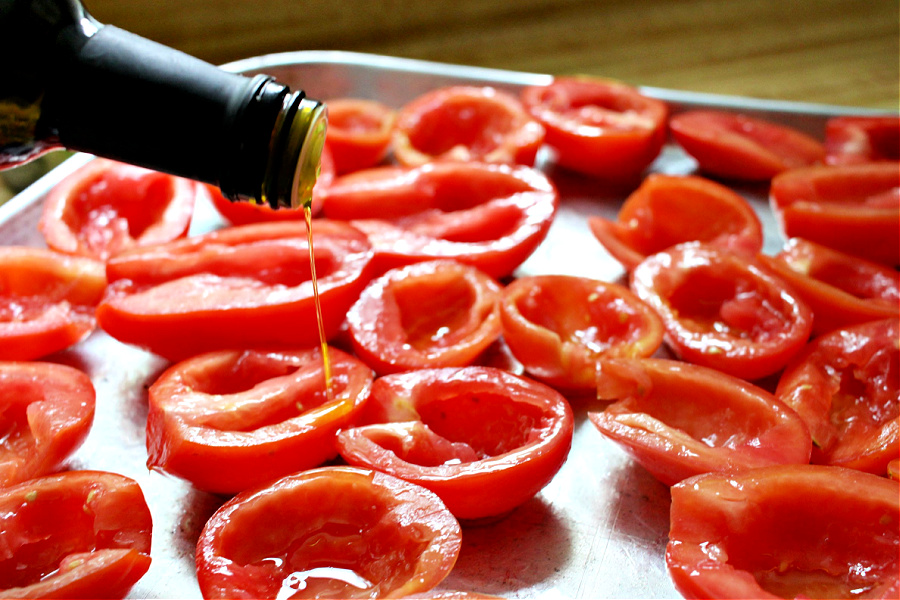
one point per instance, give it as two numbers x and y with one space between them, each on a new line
843 52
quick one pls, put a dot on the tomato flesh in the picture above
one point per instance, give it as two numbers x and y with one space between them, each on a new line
855 140
359 133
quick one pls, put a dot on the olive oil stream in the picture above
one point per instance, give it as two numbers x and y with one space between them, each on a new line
307 215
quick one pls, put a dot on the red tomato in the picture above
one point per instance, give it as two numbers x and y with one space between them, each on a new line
431 314
46 411
243 213
466 123
107 206
489 216
854 140
845 387
241 287
558 326
795 531
230 420
679 420
359 132
839 288
79 534
737 146
667 210
852 208
482 439
47 300
599 127
894 469
332 532
721 310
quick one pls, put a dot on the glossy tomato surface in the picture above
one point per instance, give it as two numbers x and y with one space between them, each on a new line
230 420
851 208
492 217
431 314
721 310
78 534
667 210
797 531
857 139
241 287
678 420
841 289
558 326
483 440
599 127
359 132
245 212
332 532
466 123
845 386
47 300
737 146
46 411
106 207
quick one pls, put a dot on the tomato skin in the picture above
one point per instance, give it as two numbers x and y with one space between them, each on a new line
230 420
850 208
599 127
558 326
240 287
795 531
47 410
667 210
737 146
359 132
397 536
721 310
485 441
77 534
466 123
243 213
678 420
47 300
492 217
841 289
432 314
107 206
844 385
855 140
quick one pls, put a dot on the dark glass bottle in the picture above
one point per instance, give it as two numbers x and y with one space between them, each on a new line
67 81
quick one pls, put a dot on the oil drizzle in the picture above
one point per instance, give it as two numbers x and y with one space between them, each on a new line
307 215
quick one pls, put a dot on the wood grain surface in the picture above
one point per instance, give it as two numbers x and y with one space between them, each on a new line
843 52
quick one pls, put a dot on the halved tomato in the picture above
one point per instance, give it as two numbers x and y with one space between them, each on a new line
482 439
858 139
106 207
738 146
599 127
558 326
851 208
845 386
721 310
432 314
241 287
841 289
359 132
78 534
791 531
46 411
667 210
489 216
466 123
47 300
331 532
230 420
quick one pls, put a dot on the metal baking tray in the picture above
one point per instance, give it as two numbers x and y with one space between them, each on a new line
598 530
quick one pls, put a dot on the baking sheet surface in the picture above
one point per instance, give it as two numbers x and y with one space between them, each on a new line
598 530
